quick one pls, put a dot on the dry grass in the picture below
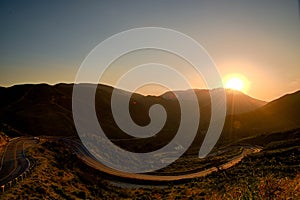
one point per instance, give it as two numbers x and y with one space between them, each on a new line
48 181
60 175
3 141
267 188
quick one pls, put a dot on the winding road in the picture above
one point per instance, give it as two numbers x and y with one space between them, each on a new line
86 157
14 162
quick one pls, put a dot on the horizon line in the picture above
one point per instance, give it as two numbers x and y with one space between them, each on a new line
126 90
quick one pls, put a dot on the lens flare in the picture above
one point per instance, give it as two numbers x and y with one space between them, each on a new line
236 82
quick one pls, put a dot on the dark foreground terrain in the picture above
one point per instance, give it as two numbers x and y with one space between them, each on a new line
272 173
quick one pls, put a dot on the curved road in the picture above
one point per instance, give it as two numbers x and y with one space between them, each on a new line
13 160
15 163
86 157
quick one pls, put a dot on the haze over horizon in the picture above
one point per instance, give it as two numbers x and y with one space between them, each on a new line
45 42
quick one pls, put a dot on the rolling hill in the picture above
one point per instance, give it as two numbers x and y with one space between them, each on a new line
237 102
279 115
47 110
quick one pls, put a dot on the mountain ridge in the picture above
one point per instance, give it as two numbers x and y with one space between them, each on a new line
47 110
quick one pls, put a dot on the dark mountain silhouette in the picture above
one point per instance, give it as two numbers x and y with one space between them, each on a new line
237 102
47 110
279 115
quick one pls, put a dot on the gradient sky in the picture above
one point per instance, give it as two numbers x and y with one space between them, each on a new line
46 41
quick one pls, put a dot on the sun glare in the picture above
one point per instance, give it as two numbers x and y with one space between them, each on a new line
236 82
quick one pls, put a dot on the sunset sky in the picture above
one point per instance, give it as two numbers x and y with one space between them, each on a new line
46 41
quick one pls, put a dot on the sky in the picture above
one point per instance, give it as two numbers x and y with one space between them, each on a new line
46 41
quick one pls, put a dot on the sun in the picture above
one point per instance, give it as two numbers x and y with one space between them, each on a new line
235 84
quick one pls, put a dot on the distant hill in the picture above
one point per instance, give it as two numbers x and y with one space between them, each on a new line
47 110
37 109
279 115
237 102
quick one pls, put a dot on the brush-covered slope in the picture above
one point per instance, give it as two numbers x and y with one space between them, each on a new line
278 115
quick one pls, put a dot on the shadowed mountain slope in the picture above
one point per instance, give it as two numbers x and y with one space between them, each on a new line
237 102
279 115
47 110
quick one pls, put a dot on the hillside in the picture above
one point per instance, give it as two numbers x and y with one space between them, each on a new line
279 115
273 173
47 110
237 102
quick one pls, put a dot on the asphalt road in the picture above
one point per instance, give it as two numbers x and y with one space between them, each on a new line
13 161
86 157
